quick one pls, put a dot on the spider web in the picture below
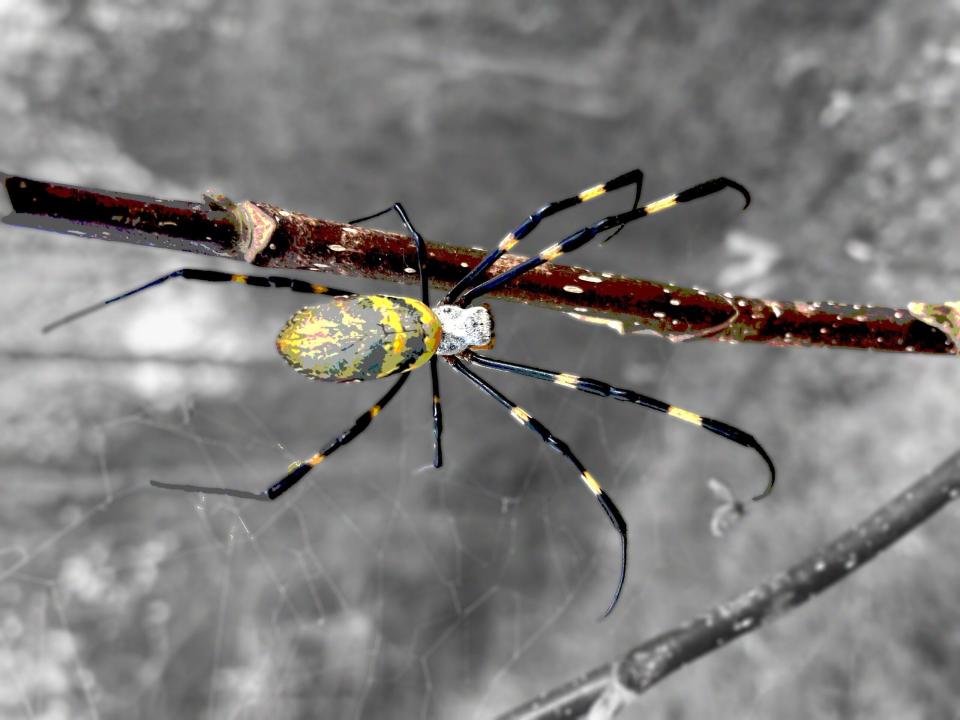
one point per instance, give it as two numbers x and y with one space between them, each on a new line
379 586
383 589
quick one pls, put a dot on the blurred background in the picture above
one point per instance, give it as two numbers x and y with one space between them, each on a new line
384 589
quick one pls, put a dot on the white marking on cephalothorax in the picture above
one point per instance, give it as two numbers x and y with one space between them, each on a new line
463 328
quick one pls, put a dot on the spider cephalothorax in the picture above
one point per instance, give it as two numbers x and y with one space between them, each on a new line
464 328
365 337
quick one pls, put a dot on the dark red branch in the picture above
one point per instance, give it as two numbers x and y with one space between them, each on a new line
617 683
269 236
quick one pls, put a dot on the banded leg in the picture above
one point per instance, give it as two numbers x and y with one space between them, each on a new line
602 389
525 419
584 235
275 281
634 177
437 414
425 296
298 472
417 241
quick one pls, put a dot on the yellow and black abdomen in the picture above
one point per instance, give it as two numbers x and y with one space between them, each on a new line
360 337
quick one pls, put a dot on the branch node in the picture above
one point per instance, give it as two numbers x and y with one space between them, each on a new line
254 226
613 699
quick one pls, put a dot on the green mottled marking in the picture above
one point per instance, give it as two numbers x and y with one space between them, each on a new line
361 337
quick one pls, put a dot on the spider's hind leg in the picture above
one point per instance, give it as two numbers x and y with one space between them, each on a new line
267 281
300 470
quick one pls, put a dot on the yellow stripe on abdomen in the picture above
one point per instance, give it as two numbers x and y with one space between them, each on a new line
394 356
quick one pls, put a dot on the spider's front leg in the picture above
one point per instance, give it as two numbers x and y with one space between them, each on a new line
584 235
634 177
530 422
603 389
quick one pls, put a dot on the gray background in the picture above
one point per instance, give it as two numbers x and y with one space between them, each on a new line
379 588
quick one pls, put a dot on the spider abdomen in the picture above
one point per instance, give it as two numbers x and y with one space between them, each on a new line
360 337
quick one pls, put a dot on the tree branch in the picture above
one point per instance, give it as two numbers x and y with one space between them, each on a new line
605 690
269 236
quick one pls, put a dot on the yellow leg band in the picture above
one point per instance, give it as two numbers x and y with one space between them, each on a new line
521 415
591 193
662 204
508 242
591 482
551 253
685 415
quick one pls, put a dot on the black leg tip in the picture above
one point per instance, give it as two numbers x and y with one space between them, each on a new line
773 472
742 190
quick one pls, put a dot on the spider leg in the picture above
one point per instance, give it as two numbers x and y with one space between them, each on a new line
417 241
437 414
634 177
584 235
297 473
425 296
602 389
275 281
527 420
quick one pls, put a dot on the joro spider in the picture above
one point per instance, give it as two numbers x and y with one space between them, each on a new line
366 337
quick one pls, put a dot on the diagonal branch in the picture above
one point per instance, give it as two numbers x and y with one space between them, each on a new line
605 690
269 236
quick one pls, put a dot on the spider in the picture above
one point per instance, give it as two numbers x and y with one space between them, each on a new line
365 337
